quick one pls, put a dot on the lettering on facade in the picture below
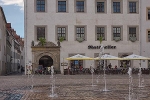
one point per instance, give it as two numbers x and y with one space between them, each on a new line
98 47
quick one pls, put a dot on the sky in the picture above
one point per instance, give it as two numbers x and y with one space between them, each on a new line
14 13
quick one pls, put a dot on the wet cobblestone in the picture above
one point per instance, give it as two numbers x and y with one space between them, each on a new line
71 87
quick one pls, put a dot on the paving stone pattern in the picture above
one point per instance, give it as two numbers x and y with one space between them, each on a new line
72 87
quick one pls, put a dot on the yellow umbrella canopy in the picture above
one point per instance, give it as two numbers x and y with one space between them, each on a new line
79 57
135 57
107 57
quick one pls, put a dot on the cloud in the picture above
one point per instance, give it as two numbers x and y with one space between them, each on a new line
19 3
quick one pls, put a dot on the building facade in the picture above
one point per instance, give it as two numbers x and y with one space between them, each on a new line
2 42
78 25
145 30
11 47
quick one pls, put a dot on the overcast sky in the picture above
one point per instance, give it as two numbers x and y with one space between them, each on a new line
14 14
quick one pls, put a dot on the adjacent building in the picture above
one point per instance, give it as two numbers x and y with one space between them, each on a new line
75 26
2 42
11 48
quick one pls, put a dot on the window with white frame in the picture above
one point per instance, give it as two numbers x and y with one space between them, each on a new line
80 32
116 32
61 32
132 7
100 32
80 6
40 32
62 6
132 32
40 5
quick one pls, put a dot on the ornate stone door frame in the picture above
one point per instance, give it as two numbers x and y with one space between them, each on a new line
49 49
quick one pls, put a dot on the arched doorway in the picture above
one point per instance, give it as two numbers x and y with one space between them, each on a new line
46 61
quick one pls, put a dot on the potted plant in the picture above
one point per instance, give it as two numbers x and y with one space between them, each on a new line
132 39
117 39
100 39
42 41
80 39
61 39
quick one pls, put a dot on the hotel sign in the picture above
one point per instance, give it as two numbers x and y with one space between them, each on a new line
98 47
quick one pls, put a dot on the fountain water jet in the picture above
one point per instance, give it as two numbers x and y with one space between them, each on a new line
130 83
53 83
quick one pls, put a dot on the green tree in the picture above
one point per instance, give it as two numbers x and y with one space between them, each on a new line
42 41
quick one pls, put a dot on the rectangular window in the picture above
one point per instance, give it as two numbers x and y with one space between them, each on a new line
79 6
148 36
80 32
116 7
40 32
148 63
132 7
148 14
116 32
61 32
100 7
61 6
100 32
40 5
132 31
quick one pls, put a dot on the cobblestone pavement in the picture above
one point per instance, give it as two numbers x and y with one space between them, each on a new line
72 87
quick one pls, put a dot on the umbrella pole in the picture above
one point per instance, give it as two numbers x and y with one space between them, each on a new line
140 75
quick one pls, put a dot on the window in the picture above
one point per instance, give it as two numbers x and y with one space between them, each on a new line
80 32
116 32
100 32
61 6
40 32
148 36
100 7
40 5
80 6
148 63
148 14
132 32
132 7
61 32
116 7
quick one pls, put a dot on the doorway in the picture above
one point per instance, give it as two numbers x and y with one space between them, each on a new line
46 61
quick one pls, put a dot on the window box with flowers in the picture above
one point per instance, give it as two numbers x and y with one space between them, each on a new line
132 39
117 39
80 39
61 39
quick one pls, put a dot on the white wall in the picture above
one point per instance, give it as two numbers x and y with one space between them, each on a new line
145 24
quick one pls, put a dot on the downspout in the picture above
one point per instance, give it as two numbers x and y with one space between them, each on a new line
140 27
25 32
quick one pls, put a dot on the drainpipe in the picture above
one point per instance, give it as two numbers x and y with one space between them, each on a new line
25 33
